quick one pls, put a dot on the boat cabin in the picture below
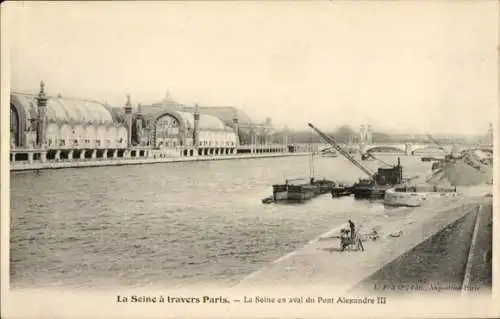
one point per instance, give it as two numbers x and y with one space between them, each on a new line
390 176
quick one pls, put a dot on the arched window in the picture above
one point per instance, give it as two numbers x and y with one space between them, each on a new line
167 128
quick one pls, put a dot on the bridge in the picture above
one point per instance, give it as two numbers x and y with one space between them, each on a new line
430 147
406 148
364 144
421 148
415 149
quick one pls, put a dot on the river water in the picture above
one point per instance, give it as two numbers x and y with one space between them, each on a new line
171 224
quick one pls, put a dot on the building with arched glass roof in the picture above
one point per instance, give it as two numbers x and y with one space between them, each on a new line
86 124
69 123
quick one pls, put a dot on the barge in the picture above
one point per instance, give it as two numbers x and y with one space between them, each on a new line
368 189
375 188
429 159
341 191
299 189
415 196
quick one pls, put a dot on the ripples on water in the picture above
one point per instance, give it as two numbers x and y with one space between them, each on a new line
170 224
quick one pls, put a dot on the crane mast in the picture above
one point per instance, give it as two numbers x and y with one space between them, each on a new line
330 140
436 142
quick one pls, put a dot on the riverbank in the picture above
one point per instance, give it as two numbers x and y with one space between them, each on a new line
320 263
80 163
452 261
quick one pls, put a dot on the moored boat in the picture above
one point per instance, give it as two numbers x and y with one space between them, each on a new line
375 188
341 190
415 196
428 159
323 186
299 189
329 152
378 182
367 157
368 189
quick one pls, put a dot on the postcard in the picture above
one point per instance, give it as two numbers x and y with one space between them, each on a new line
248 159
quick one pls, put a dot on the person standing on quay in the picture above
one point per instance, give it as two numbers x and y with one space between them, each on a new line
353 229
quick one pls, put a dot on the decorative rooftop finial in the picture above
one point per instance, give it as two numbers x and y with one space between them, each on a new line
42 98
41 94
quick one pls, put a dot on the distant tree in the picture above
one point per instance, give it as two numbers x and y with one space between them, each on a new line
344 134
379 137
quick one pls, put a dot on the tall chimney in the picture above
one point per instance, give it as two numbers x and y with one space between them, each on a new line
196 125
285 135
369 134
362 134
128 120
236 128
41 116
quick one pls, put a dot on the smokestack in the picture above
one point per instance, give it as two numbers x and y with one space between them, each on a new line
196 125
236 127
128 120
41 115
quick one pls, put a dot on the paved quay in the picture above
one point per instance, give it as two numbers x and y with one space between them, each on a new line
321 264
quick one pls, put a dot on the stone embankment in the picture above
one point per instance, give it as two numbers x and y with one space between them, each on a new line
321 264
136 161
456 260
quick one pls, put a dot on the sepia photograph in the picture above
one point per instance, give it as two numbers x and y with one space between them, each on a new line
248 159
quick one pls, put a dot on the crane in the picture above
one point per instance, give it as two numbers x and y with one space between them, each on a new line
330 140
436 142
378 159
448 155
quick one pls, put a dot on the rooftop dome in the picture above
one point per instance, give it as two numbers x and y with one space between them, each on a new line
225 113
187 118
207 122
210 122
66 110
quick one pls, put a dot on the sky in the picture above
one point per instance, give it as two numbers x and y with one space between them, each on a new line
401 66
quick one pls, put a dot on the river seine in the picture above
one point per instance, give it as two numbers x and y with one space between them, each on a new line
171 224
